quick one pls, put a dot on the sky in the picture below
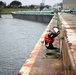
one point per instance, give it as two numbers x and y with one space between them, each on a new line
35 2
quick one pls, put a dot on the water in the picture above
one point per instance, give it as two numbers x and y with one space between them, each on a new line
17 40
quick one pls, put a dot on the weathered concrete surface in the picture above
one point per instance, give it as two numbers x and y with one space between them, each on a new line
69 24
37 64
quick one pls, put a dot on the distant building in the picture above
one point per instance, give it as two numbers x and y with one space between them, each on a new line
69 3
42 5
57 6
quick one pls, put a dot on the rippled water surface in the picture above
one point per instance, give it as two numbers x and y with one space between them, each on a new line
17 39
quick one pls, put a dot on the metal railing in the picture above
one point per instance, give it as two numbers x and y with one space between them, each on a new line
69 66
67 57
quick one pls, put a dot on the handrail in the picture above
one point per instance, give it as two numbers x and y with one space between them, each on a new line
67 57
68 61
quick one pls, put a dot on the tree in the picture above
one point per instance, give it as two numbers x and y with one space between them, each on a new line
32 6
2 4
61 4
0 13
15 4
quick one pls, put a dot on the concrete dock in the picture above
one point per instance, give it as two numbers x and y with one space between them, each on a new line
38 64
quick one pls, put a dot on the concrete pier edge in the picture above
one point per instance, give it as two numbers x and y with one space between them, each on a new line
68 64
25 70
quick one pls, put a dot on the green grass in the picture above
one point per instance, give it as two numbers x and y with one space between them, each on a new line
9 10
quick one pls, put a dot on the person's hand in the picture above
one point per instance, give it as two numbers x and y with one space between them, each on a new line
58 32
48 30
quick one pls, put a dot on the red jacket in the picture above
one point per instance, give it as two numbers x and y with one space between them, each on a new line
48 39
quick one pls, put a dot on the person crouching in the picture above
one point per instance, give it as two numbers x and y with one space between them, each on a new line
49 38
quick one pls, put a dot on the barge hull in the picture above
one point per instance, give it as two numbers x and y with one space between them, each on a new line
32 17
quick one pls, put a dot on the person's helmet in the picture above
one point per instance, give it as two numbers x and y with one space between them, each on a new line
56 29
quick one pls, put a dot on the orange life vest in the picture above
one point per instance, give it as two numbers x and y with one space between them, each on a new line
48 39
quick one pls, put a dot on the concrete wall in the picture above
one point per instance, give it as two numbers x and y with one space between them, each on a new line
69 3
32 17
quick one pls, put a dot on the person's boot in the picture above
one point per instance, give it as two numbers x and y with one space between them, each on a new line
55 48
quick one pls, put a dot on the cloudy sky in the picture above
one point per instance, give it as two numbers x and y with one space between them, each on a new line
35 2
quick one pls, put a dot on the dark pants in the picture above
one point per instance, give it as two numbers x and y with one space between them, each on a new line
49 46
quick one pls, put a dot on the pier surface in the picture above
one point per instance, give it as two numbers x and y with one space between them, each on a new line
38 64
